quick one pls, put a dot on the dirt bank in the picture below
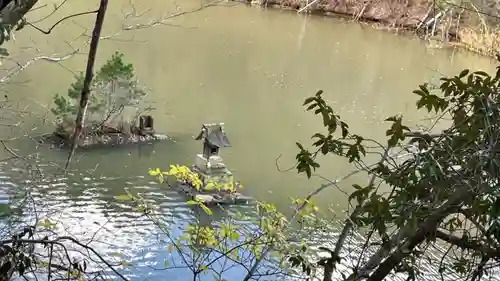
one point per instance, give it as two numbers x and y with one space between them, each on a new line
473 27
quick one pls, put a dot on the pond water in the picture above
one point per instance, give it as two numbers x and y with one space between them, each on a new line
250 68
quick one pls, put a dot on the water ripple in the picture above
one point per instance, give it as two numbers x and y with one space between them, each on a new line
84 207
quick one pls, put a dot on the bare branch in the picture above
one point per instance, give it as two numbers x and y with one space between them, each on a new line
80 118
466 243
56 8
60 21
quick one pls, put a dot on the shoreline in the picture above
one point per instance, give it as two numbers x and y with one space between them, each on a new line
462 36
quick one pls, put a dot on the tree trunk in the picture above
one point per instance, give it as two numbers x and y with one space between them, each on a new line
376 258
426 228
89 73
429 226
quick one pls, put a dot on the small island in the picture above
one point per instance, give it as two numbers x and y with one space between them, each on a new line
116 111
108 135
217 182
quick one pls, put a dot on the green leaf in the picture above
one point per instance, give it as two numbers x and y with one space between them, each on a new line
312 106
420 93
206 209
463 73
393 141
392 119
345 129
357 186
154 172
309 100
358 195
420 103
46 223
353 153
325 149
235 235
299 145
429 107
308 172
482 73
4 52
424 88
211 186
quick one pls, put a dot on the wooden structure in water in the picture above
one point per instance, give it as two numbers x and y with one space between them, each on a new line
146 125
211 169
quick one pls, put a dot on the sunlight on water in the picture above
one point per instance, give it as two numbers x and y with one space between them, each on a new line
84 208
254 74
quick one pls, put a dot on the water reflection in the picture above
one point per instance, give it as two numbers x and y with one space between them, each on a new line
85 208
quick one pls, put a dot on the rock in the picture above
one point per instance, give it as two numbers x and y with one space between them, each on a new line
111 139
204 198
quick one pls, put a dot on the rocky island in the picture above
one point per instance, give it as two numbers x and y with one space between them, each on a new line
115 115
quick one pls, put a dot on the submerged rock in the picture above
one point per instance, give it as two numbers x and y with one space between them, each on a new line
218 186
107 139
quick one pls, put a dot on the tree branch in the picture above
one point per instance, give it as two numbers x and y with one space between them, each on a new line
89 73
465 243
427 227
60 21
56 8
349 224
58 240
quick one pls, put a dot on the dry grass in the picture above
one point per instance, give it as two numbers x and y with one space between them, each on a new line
486 43
474 30
479 32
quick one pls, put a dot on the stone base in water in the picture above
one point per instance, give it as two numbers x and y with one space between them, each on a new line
214 197
104 140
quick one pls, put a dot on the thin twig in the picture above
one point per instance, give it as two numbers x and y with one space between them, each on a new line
51 13
60 21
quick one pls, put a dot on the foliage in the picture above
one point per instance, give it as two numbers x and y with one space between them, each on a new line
6 33
113 89
262 246
427 190
36 249
185 175
442 187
